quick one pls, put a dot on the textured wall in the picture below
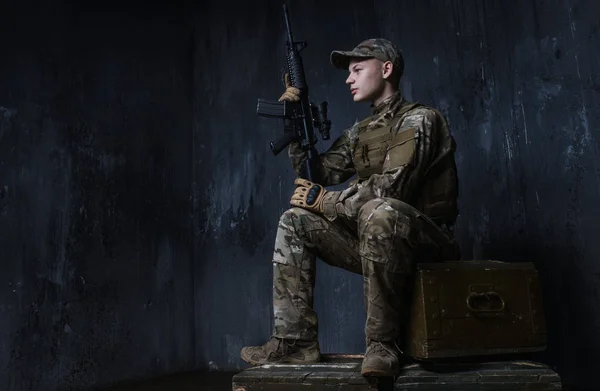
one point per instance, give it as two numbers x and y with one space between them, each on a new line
95 227
519 84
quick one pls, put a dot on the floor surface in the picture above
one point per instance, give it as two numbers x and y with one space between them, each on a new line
191 381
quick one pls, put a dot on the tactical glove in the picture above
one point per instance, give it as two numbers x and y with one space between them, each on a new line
291 94
308 195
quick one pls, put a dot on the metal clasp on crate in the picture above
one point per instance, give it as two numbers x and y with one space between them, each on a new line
485 301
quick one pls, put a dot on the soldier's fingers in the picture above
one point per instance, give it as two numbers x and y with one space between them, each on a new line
288 83
290 97
293 90
286 96
302 182
299 190
298 203
298 197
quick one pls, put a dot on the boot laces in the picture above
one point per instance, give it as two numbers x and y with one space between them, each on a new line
378 346
281 346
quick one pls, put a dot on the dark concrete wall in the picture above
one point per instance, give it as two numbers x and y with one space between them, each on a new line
519 84
139 198
95 213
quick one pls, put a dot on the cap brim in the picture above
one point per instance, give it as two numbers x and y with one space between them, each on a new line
341 60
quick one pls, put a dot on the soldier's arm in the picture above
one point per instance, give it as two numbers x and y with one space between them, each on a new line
410 153
335 165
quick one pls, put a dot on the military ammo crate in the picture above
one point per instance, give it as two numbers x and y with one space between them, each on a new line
342 373
470 308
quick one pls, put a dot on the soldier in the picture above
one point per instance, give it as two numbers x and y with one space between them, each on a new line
400 210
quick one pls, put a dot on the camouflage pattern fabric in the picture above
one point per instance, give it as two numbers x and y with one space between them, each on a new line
336 164
378 48
389 238
370 228
432 138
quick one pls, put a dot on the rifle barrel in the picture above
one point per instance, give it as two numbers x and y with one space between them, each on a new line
288 27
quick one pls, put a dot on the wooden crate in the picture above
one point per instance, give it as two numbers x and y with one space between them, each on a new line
475 308
342 373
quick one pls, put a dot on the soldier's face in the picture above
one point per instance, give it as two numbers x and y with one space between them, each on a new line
366 79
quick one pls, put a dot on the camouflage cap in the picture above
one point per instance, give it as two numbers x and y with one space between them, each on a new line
378 48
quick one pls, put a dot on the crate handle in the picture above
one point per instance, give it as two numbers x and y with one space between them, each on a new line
485 302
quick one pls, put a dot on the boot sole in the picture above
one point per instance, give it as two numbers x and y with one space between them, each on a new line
373 372
282 361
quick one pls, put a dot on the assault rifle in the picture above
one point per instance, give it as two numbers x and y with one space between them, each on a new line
300 118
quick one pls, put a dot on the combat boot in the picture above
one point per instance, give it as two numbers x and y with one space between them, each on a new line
381 359
279 350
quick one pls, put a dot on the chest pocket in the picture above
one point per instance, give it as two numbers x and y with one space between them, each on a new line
370 151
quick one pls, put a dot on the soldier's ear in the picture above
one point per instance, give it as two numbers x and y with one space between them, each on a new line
387 69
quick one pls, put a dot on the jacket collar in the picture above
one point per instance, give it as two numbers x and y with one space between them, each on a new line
391 104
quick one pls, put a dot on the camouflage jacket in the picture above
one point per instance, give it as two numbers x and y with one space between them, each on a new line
395 182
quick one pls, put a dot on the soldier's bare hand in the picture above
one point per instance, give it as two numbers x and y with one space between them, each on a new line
308 195
291 94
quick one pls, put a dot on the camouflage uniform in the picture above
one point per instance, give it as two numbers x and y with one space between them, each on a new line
368 228
376 227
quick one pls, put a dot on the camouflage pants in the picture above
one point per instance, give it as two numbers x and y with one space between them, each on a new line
383 245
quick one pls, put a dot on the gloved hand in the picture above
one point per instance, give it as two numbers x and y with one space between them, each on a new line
291 94
308 195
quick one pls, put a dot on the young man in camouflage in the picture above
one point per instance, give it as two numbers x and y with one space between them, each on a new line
398 212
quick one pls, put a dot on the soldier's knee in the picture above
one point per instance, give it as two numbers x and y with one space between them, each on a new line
292 214
375 211
293 219
379 218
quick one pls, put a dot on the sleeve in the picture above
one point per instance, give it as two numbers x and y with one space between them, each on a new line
410 153
335 165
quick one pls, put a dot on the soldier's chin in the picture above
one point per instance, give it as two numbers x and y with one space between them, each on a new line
358 97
